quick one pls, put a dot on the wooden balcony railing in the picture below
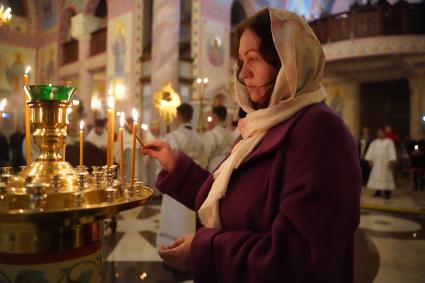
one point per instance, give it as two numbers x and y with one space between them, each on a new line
70 51
98 41
371 20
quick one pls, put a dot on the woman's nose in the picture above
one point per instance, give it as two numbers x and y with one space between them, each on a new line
245 73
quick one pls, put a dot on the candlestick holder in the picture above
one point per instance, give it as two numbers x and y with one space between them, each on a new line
51 214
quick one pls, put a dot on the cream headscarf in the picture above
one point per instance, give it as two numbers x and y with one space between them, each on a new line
298 84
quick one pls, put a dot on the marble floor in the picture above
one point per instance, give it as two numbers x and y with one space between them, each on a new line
389 248
403 199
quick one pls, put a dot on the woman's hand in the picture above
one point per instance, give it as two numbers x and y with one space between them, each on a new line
177 254
162 151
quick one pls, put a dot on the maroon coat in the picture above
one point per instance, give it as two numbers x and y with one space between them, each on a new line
290 210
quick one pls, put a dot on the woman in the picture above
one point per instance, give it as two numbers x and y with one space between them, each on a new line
284 204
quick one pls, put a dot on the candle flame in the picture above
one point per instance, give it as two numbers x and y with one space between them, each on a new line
198 80
81 125
122 119
135 115
95 103
111 102
3 104
119 90
27 69
205 80
144 127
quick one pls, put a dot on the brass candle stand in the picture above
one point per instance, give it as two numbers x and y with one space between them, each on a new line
51 214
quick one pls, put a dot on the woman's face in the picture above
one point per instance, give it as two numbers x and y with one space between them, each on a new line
255 73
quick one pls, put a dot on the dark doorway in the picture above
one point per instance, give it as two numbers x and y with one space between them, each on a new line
386 102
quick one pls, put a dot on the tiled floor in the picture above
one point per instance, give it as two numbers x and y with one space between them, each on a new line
131 255
403 199
389 246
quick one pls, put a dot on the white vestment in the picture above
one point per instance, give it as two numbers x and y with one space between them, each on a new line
101 141
35 150
176 219
217 144
381 152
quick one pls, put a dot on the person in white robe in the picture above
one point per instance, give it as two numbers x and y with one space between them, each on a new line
218 142
35 150
381 156
98 135
176 219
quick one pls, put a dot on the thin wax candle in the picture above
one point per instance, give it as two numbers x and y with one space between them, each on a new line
27 120
133 153
121 144
81 142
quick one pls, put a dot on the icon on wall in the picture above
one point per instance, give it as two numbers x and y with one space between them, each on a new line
215 50
119 49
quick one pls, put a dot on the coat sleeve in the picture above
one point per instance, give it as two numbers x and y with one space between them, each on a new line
184 181
318 213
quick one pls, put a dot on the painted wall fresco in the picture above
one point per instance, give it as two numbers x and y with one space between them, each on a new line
299 7
47 64
216 54
47 14
270 3
119 50
13 61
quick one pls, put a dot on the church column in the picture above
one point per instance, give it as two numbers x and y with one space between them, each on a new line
165 43
353 108
82 25
85 81
417 105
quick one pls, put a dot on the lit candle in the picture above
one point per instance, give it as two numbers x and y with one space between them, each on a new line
81 142
26 75
121 144
3 104
110 149
27 120
133 153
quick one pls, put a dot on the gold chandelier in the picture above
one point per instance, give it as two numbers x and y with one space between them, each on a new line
5 15
166 100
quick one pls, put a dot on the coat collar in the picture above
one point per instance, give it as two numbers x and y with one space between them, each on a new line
275 136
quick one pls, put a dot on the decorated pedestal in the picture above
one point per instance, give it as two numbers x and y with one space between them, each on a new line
51 214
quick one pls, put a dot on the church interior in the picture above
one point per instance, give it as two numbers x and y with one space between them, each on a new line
153 55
